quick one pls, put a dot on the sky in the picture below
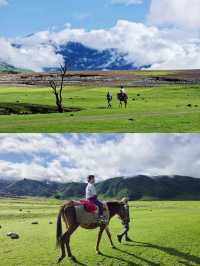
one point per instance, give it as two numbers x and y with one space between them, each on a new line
163 34
20 18
71 157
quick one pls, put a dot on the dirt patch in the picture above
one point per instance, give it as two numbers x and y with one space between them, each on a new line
104 78
28 108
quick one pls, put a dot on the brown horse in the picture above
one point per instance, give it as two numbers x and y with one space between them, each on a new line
122 97
68 214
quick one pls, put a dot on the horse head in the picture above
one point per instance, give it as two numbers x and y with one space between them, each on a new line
117 208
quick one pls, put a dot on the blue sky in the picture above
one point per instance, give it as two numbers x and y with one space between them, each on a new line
163 34
71 157
19 18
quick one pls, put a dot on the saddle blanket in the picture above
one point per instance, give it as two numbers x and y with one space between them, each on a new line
86 218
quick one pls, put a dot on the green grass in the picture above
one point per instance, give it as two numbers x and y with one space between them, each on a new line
162 109
153 73
164 233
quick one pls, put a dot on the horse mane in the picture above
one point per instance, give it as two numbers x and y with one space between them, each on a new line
113 203
113 207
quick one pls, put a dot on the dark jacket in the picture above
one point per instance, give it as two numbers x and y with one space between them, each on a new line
127 219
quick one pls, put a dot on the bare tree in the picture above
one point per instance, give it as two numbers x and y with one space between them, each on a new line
58 89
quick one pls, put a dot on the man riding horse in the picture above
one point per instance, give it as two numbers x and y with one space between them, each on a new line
75 214
91 195
122 97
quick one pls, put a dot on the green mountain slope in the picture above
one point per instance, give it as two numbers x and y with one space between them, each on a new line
5 68
137 187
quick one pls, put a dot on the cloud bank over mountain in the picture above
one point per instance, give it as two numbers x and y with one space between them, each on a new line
168 40
72 157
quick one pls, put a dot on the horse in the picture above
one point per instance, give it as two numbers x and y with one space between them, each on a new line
122 97
67 213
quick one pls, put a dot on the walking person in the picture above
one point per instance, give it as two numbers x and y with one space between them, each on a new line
109 99
125 223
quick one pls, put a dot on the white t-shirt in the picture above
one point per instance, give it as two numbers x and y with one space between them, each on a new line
90 191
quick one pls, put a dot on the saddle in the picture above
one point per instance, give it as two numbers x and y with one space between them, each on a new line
88 205
87 212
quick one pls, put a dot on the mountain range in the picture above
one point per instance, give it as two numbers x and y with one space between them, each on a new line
136 187
79 57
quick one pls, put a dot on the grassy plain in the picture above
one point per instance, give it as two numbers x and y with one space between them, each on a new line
158 109
164 233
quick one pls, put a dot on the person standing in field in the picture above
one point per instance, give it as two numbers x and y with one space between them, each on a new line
91 195
109 99
125 223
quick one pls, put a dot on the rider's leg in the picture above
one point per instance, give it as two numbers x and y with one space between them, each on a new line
100 205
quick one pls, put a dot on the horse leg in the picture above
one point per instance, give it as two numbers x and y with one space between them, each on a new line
69 232
99 239
110 237
62 246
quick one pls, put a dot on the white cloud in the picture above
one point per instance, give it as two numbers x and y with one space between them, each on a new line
72 158
181 13
34 57
144 45
3 3
174 47
127 2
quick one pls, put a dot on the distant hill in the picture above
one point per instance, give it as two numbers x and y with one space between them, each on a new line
137 187
5 68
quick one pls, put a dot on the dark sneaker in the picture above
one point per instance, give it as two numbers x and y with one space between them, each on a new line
119 237
128 239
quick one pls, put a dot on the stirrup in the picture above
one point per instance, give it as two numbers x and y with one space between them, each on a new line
102 220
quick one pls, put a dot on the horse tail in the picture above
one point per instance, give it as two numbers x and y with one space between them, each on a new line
59 227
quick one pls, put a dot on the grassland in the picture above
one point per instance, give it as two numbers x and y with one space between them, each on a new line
164 233
163 109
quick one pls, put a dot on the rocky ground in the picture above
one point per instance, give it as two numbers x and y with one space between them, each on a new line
106 78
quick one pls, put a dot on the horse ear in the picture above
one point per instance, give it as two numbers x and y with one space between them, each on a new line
124 201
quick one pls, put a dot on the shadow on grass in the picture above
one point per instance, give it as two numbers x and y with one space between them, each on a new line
171 251
29 108
77 262
186 263
131 263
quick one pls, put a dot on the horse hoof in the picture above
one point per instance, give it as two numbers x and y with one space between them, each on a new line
60 259
72 258
98 252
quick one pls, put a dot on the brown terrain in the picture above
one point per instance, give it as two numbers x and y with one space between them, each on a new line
104 78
